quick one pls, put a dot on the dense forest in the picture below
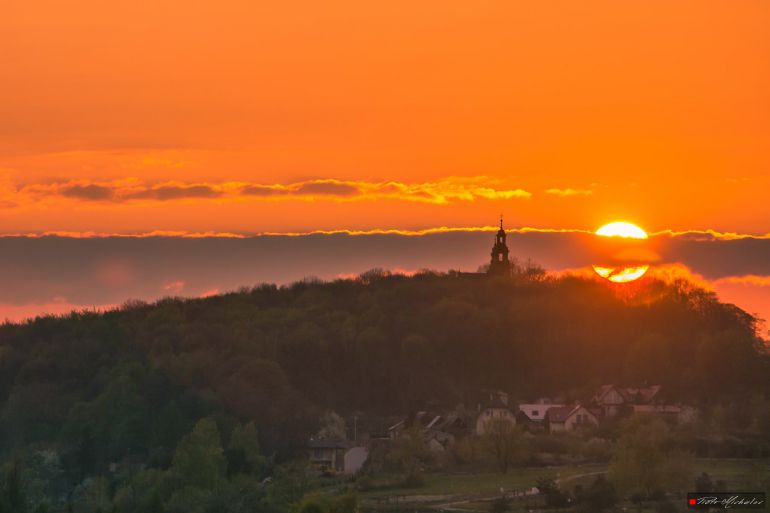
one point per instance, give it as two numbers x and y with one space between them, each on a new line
140 392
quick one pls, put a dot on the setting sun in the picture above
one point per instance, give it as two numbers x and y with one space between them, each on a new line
621 274
622 229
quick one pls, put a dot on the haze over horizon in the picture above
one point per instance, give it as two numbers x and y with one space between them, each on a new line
54 274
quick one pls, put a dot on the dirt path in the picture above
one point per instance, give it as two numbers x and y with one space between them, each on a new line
578 476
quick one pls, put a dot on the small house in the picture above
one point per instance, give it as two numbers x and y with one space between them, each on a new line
337 456
570 418
493 406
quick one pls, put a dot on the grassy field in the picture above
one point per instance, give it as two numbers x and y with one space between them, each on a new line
738 474
465 489
486 483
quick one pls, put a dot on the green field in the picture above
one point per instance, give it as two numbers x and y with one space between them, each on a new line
468 490
738 474
487 483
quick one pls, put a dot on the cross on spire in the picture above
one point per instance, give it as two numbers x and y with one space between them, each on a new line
501 221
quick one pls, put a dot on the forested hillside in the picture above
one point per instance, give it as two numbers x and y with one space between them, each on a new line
127 387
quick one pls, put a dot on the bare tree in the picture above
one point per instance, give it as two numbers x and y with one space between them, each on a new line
506 442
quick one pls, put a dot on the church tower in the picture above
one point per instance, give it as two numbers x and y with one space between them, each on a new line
500 265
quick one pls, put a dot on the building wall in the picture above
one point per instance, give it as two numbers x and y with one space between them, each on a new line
611 402
574 421
489 414
541 408
327 457
355 459
556 427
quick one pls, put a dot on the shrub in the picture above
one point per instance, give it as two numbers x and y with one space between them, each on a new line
500 505
413 479
364 484
666 507
554 497
599 496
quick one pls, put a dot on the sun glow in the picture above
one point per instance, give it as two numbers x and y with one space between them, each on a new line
622 229
621 274
627 273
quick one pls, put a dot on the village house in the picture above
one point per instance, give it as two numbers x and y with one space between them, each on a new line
439 431
531 416
674 412
610 399
570 418
422 419
337 456
493 405
614 401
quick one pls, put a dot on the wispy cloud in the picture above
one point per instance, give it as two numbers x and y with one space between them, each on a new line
569 192
327 188
88 192
441 191
748 279
708 235
181 234
175 191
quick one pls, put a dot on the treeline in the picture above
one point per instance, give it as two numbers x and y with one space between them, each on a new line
123 388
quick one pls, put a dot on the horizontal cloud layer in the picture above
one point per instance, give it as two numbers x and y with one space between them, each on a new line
569 192
437 192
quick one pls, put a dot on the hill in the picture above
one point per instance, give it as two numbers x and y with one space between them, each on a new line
129 384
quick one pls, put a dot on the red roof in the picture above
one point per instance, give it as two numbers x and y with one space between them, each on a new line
643 395
559 413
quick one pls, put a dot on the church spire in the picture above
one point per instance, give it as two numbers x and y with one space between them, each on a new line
499 264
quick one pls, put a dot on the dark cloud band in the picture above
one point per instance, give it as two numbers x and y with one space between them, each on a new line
109 270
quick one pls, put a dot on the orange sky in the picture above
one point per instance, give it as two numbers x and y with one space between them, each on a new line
127 117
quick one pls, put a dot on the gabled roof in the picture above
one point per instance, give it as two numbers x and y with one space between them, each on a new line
563 413
433 422
449 422
492 399
559 413
529 409
421 418
642 395
494 402
605 389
